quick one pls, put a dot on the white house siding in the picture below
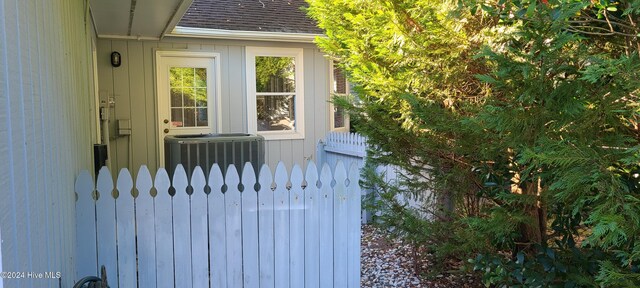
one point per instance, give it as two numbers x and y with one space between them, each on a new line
45 134
132 85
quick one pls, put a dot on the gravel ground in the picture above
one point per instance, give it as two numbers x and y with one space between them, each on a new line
388 263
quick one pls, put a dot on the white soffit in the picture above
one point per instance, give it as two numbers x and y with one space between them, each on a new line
111 16
137 19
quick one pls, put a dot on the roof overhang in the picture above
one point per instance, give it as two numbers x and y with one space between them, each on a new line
137 19
179 31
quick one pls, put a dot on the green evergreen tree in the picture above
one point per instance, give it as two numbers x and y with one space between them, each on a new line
523 115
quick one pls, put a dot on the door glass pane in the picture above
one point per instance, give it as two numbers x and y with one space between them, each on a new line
275 74
176 117
188 87
275 112
189 97
175 77
176 97
189 117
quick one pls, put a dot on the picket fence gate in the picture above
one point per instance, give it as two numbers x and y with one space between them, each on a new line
289 230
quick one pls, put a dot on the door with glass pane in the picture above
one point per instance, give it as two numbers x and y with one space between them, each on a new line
187 95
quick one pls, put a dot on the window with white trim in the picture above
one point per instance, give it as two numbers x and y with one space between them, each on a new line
339 87
275 97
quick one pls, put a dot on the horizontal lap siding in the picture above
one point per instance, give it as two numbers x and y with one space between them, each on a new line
133 86
45 123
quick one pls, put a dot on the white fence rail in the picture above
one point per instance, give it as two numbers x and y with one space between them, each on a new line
286 230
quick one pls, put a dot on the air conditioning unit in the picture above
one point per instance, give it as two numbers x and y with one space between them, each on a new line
206 149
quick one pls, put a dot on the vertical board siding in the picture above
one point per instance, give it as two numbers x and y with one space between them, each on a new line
45 96
133 86
290 230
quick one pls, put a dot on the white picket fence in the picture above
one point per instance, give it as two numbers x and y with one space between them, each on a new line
289 230
351 148
341 146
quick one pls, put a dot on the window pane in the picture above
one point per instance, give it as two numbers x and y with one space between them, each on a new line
176 117
176 97
275 74
275 112
338 117
189 117
201 117
339 88
339 81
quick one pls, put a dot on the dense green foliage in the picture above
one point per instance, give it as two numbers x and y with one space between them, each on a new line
517 119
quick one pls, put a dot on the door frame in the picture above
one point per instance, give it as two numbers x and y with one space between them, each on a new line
217 89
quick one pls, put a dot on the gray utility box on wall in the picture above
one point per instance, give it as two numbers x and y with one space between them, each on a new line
206 149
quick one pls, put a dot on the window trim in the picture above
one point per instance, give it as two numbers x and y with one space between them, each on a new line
332 120
252 117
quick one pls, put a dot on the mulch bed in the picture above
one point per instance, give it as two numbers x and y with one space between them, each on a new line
389 263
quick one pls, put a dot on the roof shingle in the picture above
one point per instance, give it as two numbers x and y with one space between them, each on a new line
250 15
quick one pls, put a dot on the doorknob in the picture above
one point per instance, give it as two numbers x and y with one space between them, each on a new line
166 130
166 121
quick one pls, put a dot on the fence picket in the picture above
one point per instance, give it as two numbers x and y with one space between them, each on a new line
296 208
325 219
106 225
250 262
145 223
199 237
181 229
86 263
233 212
265 229
164 231
311 237
217 230
340 222
281 226
354 207
126 230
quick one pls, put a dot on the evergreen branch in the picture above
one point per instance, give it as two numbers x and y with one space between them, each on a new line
592 20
